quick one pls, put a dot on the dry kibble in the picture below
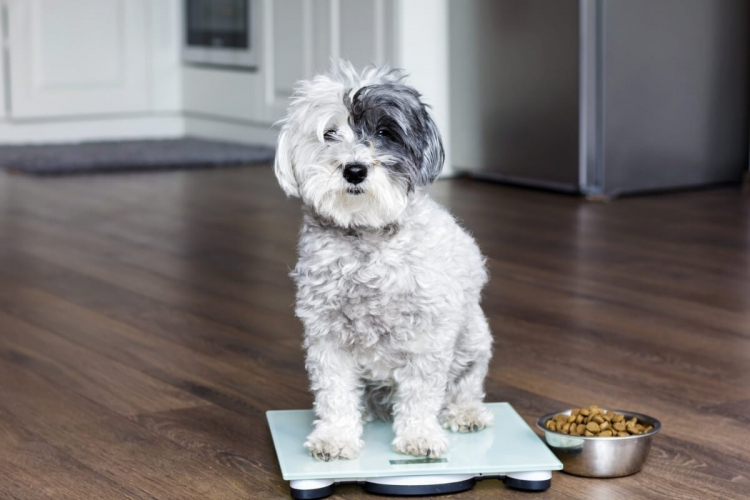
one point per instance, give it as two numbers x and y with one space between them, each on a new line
596 422
593 427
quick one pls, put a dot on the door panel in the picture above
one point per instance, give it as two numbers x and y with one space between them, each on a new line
77 57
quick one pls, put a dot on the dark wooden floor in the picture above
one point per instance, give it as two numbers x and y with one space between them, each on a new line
146 325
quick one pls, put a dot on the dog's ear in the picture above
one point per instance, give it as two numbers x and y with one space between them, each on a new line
433 154
284 166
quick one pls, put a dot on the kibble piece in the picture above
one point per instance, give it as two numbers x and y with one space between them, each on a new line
585 412
623 434
579 419
618 417
561 419
604 425
589 434
553 426
648 429
571 418
607 433
598 419
575 412
619 426
565 428
608 416
580 429
593 427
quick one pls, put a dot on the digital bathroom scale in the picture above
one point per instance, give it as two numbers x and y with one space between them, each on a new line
509 451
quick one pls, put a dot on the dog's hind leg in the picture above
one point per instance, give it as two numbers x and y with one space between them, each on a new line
463 410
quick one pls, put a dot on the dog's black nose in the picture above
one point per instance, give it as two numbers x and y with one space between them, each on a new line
355 172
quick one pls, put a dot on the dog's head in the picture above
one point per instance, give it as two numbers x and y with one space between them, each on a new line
354 146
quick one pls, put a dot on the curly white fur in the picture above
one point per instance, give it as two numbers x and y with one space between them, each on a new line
388 284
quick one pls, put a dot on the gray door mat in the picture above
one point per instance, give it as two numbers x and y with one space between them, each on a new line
128 156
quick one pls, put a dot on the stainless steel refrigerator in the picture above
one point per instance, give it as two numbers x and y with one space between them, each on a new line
602 97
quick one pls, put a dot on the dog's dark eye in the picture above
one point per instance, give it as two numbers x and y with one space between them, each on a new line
330 135
384 134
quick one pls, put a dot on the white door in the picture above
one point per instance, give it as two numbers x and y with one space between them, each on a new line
77 57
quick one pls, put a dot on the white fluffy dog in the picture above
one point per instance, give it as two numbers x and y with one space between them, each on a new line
388 284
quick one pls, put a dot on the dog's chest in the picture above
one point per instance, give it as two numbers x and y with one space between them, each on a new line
369 290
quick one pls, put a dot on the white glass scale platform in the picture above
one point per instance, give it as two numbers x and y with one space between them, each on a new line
509 451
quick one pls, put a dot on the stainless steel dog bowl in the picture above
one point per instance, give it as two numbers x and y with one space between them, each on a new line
601 456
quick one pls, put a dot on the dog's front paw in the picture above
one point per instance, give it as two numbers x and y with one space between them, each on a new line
466 418
328 443
430 443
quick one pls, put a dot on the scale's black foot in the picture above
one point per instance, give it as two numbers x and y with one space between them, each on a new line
311 489
420 485
529 481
